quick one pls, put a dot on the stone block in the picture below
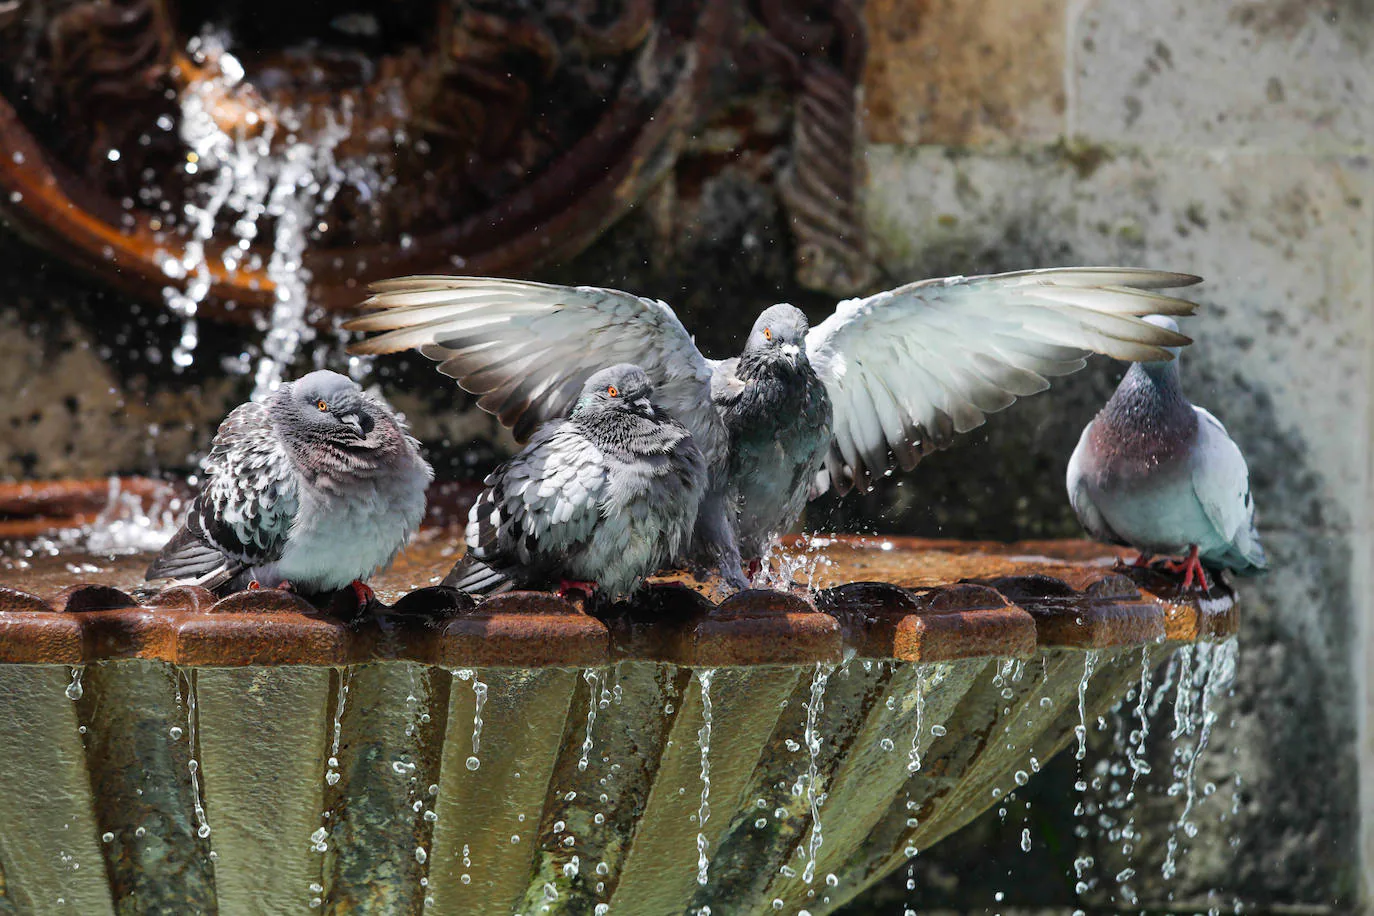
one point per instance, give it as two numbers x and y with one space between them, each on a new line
1271 74
1282 357
964 73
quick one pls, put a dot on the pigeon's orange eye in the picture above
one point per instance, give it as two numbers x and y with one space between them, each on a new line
767 333
613 391
321 405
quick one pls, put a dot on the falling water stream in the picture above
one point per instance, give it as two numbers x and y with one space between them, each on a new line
812 739
593 678
704 677
262 175
193 765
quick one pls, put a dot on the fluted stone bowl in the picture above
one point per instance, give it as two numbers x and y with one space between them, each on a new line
780 750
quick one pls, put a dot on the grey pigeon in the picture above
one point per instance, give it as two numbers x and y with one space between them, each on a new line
1154 472
317 488
602 498
882 382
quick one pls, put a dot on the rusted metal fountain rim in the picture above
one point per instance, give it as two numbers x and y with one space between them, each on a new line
1008 616
912 599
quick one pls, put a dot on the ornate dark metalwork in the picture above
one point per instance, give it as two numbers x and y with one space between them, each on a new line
821 46
464 135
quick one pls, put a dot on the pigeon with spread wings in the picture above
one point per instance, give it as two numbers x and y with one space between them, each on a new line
882 382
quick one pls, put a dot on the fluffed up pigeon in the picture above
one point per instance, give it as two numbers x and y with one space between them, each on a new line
318 488
882 382
1154 472
598 500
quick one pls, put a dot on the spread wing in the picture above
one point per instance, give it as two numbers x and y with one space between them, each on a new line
1221 483
242 516
909 368
526 348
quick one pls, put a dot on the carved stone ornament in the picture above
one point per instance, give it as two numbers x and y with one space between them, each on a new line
168 144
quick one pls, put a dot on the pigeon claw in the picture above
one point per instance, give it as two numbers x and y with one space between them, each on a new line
362 592
567 588
1142 562
1191 567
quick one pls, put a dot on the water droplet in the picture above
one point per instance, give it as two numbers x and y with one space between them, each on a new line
107 837
74 690
465 878
175 732
473 763
938 731
1025 839
420 855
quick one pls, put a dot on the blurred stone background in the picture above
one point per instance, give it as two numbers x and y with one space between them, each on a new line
1227 139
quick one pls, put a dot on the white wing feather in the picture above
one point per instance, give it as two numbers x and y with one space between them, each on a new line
909 368
526 348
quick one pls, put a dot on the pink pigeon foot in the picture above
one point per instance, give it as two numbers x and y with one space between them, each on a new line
1191 567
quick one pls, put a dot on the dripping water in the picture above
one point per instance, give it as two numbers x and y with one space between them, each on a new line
193 765
1081 729
319 840
479 696
812 739
593 678
1215 670
914 758
704 677
74 690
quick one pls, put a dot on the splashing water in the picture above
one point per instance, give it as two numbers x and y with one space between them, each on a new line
250 181
704 677
592 678
125 526
811 737
804 566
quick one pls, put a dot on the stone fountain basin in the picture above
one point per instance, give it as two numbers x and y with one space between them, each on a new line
345 765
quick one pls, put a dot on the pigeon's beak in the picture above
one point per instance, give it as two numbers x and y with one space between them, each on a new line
352 421
644 406
792 352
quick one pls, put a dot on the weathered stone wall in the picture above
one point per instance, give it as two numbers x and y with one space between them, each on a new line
1226 139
